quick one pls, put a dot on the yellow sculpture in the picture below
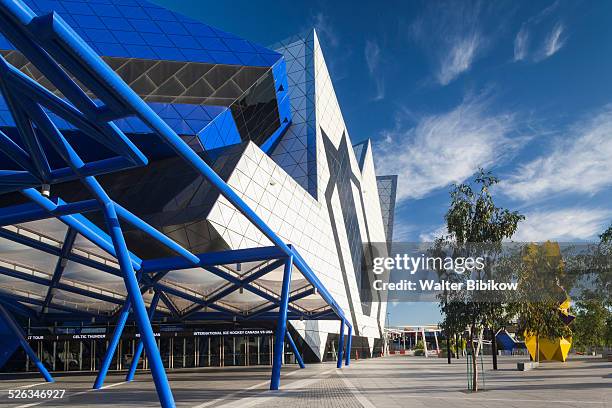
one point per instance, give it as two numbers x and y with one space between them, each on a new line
552 349
555 349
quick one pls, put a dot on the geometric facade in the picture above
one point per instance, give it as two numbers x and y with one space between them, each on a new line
268 122
387 189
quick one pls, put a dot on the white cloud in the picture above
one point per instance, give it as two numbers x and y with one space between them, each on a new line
433 235
373 58
402 231
580 163
451 33
563 225
531 32
555 41
521 43
446 148
326 29
458 58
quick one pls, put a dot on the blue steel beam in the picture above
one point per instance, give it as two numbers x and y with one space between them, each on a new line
314 281
170 305
22 122
19 308
155 234
349 343
214 259
59 285
281 326
8 319
112 345
32 212
52 250
138 351
85 227
295 350
340 344
14 15
38 302
59 267
144 325
243 282
16 153
293 298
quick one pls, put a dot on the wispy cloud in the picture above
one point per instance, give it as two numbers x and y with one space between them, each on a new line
373 59
530 33
566 224
555 40
452 34
432 235
580 163
325 29
521 43
459 58
448 147
402 231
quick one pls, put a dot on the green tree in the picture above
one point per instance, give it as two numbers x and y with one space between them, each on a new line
590 328
473 220
604 266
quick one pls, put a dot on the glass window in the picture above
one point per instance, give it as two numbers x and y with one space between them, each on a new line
178 352
190 352
216 347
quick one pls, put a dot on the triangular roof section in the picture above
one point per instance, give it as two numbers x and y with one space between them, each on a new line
361 149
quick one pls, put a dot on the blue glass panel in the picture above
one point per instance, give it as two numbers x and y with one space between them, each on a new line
128 37
107 10
80 8
115 23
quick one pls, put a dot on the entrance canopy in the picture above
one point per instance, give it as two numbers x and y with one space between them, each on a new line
53 273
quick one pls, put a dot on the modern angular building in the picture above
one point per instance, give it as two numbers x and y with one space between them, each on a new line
266 120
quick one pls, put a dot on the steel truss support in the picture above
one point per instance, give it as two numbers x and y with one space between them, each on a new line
4 315
349 343
140 312
281 325
340 344
112 345
59 267
138 351
296 352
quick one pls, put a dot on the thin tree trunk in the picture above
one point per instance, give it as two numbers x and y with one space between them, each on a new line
448 347
494 348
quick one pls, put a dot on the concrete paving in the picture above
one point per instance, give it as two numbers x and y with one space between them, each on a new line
396 381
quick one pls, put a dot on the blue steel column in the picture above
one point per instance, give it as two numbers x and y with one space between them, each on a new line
349 343
340 344
140 311
296 352
24 343
112 346
138 352
281 325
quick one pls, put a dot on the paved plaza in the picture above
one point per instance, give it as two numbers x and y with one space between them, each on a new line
397 381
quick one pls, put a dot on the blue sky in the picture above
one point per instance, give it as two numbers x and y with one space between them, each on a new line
520 88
